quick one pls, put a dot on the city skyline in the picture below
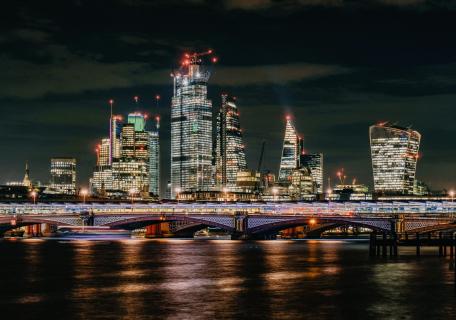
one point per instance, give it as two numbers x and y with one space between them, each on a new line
333 99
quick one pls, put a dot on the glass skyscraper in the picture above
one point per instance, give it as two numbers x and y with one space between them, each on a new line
230 154
292 147
314 162
191 129
394 152
154 162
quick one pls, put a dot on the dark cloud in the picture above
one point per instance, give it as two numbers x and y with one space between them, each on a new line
336 66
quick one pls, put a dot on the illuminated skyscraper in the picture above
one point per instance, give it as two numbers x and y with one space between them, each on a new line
63 176
191 128
131 170
230 154
394 152
314 162
154 159
292 147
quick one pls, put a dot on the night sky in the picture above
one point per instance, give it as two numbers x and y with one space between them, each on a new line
336 66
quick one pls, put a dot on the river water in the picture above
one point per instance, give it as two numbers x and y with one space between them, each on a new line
221 279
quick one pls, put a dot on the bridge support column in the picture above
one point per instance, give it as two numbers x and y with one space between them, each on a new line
153 231
440 245
452 240
418 244
372 243
384 244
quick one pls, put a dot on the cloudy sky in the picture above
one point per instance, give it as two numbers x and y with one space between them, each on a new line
336 66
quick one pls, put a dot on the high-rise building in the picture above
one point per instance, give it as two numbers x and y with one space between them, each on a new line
154 160
394 152
131 170
191 128
26 182
292 147
230 154
314 161
63 176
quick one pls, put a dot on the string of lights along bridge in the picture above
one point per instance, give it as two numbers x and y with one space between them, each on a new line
208 161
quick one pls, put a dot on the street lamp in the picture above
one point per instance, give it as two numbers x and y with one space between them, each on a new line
84 193
132 192
451 193
34 194
275 191
225 193
177 191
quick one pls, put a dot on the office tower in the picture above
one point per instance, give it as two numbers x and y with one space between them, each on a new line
191 128
230 154
394 152
103 152
302 184
154 160
314 161
292 146
63 176
116 127
131 171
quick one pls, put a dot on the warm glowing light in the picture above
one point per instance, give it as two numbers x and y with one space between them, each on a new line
210 51
178 190
225 189
312 221
84 192
214 59
33 194
132 191
451 193
288 117
157 118
157 97
275 190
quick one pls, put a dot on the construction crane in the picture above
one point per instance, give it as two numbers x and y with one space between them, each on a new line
196 57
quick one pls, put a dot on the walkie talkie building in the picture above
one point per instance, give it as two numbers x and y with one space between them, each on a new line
191 128
394 152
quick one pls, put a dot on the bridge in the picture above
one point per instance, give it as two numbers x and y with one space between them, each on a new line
243 220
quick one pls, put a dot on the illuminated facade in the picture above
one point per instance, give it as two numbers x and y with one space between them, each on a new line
114 138
302 185
154 162
230 154
131 170
63 176
394 152
314 161
191 129
292 147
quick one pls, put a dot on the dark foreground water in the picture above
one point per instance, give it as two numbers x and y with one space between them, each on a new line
187 279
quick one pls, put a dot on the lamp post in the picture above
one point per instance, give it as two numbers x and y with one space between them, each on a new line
34 194
275 191
132 192
178 190
451 194
84 193
225 194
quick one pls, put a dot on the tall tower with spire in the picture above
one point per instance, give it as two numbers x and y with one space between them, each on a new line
292 148
26 181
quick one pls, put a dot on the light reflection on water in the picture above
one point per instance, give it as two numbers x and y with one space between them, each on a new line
174 279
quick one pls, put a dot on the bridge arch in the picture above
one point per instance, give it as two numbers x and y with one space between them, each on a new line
146 220
328 223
